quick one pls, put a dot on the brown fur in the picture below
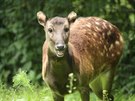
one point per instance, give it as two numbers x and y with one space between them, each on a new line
88 47
94 47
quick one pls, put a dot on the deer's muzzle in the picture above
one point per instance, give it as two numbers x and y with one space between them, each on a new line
60 49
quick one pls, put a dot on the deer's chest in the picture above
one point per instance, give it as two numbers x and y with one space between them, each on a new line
57 75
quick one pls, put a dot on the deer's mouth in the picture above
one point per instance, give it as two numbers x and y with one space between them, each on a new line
60 53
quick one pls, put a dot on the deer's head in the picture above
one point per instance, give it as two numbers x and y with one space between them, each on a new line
57 31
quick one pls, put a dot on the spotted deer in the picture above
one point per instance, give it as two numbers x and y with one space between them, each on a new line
89 47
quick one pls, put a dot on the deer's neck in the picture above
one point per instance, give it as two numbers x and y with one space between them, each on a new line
64 62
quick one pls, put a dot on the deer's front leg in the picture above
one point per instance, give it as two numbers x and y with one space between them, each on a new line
84 91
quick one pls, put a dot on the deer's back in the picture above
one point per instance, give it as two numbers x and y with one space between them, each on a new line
96 43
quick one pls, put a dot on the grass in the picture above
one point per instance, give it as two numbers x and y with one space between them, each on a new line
23 90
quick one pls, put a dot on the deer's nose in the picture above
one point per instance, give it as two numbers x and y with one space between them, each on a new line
60 47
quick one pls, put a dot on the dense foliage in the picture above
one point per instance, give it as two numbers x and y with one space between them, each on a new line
21 37
24 90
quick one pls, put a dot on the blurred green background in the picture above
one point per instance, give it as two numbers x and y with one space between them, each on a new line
21 37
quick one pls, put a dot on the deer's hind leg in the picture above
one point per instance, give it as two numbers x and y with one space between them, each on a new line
102 85
107 80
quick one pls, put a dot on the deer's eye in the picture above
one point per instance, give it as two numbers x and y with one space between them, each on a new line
66 29
50 30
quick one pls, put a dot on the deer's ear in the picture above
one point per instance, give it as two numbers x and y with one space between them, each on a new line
41 18
72 16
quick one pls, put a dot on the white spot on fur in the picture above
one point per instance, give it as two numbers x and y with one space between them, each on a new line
104 25
109 33
97 48
118 53
91 46
100 42
88 25
94 40
102 54
112 55
117 42
121 39
103 34
111 27
97 23
111 47
95 35
100 39
94 45
98 29
105 47
107 55
105 21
